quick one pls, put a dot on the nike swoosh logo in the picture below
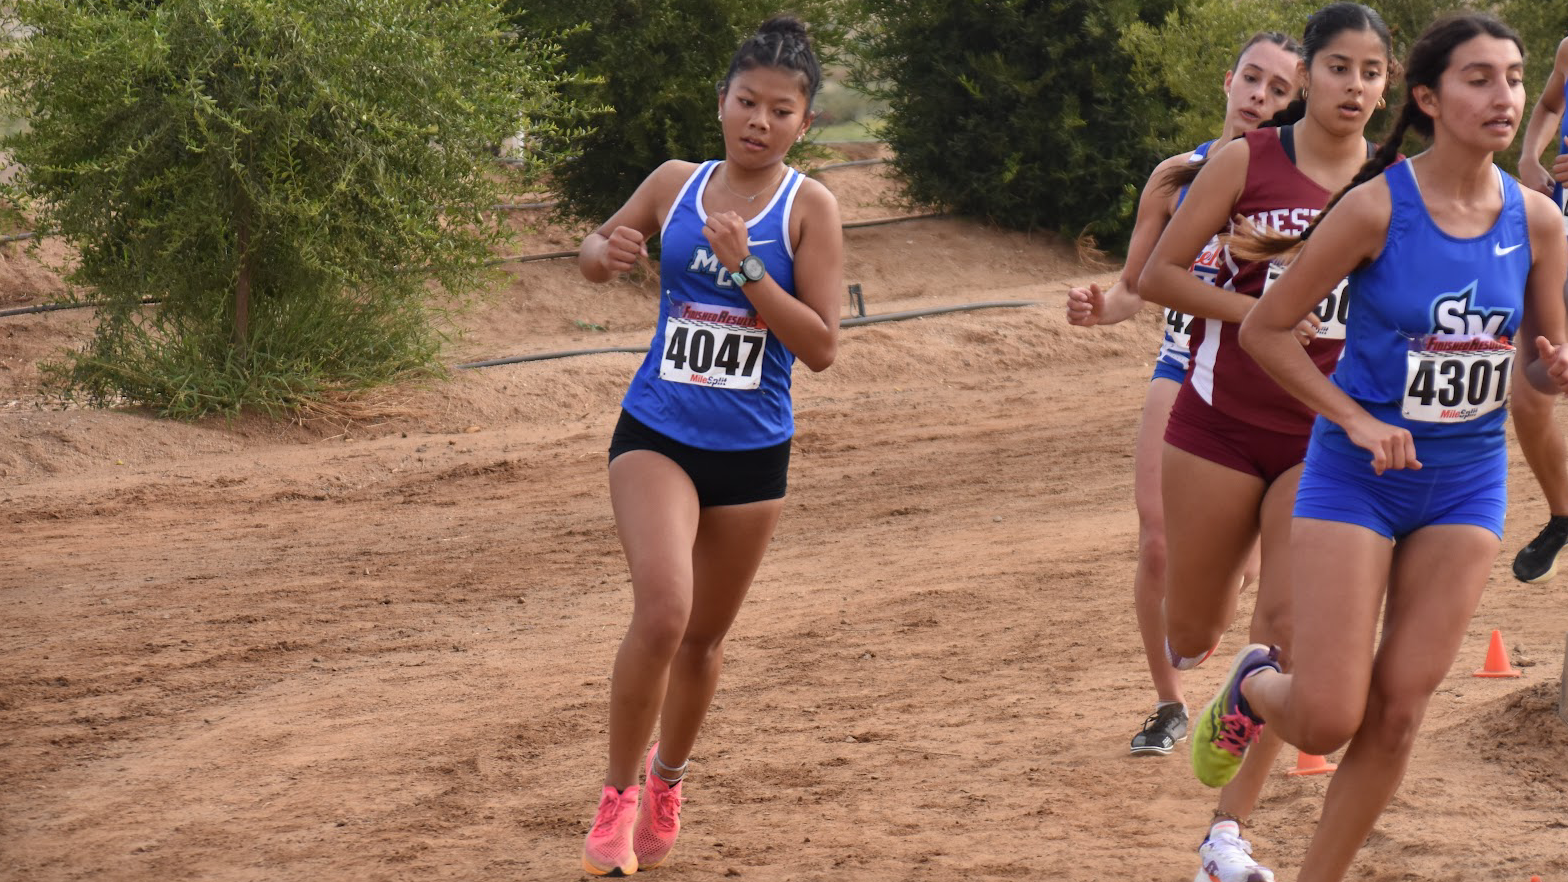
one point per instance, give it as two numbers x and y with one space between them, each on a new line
1499 250
771 241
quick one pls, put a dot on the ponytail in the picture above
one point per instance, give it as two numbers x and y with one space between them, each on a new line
1294 112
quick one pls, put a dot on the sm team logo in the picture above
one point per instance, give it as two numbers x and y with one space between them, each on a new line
705 263
1455 314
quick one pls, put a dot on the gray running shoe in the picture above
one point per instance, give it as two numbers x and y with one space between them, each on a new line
1161 731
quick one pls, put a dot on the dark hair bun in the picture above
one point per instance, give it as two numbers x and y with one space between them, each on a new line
784 26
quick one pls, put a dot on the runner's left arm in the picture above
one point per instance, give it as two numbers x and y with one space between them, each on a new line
1544 124
806 323
1350 236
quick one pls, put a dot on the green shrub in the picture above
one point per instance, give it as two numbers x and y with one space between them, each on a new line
1189 52
1020 112
298 181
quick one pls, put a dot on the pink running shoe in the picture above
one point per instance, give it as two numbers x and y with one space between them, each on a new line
658 818
608 851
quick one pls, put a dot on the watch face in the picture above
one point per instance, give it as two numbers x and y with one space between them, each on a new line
753 268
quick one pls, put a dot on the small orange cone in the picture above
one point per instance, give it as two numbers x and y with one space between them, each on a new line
1497 664
1311 764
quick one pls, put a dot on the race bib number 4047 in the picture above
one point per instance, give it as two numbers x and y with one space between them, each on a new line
715 346
1332 311
1452 378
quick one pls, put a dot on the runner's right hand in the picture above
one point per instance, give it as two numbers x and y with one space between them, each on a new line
622 248
1085 306
1307 328
1391 446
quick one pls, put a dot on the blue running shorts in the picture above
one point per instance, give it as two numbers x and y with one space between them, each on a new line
1336 486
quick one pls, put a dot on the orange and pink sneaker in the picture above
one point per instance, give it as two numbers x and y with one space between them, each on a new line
658 819
608 851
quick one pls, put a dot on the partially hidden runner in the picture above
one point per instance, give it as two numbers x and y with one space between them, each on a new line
1262 82
1399 514
1540 438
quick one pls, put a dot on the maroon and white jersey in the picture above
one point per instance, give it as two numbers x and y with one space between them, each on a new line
1223 375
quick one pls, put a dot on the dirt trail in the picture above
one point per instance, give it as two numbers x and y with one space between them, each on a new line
248 651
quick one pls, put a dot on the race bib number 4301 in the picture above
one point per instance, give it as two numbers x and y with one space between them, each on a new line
1331 312
1452 378
715 346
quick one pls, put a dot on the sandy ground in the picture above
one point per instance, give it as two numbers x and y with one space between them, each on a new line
247 651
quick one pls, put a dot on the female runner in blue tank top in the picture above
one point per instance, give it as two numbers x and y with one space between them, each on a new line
1263 81
1540 440
1450 262
750 273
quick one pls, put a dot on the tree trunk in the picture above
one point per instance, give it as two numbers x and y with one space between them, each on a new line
242 287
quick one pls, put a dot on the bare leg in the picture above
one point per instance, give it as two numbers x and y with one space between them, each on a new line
1148 583
731 540
1270 625
656 515
1211 522
1436 582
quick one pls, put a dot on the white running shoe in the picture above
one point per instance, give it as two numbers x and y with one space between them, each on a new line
1228 858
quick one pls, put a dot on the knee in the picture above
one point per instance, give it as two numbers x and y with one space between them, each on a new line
701 649
1327 726
1151 550
1191 640
660 626
1391 726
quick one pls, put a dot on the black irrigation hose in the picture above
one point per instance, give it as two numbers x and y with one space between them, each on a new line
527 258
850 164
546 356
934 310
876 222
847 323
55 307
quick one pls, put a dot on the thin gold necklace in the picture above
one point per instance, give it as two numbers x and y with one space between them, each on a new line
753 197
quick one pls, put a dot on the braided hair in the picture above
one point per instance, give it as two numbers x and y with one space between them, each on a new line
1322 27
1428 60
780 42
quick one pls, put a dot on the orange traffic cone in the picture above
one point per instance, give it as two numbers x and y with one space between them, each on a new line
1497 664
1311 764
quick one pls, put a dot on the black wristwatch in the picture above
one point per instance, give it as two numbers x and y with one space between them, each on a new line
752 269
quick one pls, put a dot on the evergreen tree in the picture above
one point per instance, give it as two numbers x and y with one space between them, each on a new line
1020 112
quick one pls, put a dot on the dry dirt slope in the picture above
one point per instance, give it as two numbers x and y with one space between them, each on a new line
247 651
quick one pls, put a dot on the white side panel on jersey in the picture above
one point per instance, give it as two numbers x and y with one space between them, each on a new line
1203 360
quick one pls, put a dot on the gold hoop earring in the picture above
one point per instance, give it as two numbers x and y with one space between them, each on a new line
1304 94
1382 103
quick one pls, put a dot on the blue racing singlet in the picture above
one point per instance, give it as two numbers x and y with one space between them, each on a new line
1429 344
715 377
